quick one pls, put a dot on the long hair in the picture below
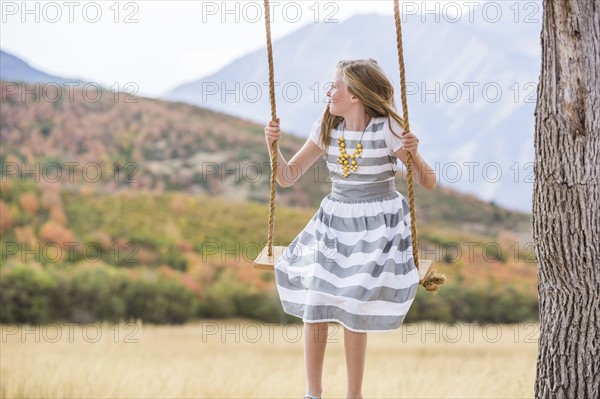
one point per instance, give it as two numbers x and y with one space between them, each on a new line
366 80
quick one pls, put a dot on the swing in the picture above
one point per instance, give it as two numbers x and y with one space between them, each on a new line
428 278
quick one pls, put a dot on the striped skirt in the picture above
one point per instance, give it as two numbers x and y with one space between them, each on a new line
352 263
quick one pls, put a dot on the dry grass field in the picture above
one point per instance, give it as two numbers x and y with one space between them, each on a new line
246 359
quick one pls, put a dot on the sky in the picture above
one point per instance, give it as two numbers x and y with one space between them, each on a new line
157 45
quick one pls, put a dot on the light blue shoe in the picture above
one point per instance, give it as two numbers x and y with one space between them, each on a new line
307 396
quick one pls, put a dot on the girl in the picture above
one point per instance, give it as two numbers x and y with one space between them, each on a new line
352 264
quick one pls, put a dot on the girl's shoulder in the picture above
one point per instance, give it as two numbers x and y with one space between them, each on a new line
380 123
390 126
388 121
392 133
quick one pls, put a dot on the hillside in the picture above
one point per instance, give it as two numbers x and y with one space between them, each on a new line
162 146
165 238
171 257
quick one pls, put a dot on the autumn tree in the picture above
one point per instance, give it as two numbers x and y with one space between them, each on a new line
566 201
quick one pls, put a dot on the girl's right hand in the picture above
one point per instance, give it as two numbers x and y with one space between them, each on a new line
272 132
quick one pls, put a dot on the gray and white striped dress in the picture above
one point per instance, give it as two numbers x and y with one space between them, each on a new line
353 262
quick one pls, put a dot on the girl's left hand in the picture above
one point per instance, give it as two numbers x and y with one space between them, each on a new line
411 143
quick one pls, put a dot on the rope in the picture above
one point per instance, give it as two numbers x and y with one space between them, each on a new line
411 193
433 279
273 118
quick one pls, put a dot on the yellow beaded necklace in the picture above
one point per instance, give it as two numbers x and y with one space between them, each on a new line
348 161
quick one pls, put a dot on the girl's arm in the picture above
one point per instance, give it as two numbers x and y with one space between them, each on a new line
290 172
423 173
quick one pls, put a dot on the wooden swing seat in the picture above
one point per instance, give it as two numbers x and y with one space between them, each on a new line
264 261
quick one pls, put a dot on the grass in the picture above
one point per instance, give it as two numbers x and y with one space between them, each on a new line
246 359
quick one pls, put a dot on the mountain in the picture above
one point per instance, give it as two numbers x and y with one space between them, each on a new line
14 69
471 86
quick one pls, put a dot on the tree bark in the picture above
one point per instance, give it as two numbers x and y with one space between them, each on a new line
566 201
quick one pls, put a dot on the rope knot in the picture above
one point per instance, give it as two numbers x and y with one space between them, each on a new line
432 281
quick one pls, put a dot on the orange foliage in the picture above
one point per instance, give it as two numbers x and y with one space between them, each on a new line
57 215
191 284
168 273
4 187
143 256
54 232
134 274
25 235
185 246
102 238
51 197
87 190
5 217
29 203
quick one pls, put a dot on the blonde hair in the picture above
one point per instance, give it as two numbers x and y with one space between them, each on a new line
366 80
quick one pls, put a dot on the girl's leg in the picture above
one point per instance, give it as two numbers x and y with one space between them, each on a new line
355 345
315 340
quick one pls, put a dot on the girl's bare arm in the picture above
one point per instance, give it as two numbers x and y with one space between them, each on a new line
290 172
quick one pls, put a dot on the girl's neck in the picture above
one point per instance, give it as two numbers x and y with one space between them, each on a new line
357 122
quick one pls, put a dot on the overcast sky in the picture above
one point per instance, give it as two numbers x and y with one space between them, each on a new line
160 44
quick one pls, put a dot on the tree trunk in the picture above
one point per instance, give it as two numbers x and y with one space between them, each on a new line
566 201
